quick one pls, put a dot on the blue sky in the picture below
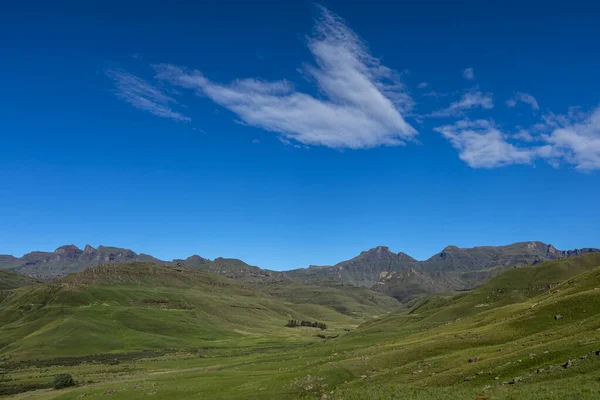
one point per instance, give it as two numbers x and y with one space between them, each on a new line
289 133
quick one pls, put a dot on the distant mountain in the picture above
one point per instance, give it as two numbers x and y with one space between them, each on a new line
457 268
192 261
394 274
453 258
67 259
237 269
363 270
454 268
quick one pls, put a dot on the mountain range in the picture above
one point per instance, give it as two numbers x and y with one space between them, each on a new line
185 328
395 274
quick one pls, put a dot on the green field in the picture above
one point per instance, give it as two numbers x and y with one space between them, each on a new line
145 331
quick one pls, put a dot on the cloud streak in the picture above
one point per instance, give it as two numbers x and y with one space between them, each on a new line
363 103
525 98
143 96
470 100
469 74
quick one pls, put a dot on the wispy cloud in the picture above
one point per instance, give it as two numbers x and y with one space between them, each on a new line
364 101
575 139
572 139
144 96
523 98
469 74
435 94
469 100
481 145
422 85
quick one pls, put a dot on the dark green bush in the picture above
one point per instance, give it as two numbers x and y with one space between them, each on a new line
62 381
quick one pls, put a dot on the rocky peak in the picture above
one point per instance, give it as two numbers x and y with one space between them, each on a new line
450 248
196 258
116 251
447 251
551 251
194 261
379 251
68 253
68 249
88 249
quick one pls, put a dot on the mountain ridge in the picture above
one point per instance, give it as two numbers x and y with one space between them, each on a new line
396 274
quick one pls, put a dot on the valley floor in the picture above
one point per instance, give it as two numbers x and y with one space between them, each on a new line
370 363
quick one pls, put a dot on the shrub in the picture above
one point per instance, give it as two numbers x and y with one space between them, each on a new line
63 381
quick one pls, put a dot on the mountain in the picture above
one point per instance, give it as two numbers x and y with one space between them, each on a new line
457 268
454 268
237 269
69 258
394 274
453 258
194 261
362 270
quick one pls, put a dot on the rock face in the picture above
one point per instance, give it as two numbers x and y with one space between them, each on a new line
194 261
363 270
395 274
237 269
69 258
453 258
454 268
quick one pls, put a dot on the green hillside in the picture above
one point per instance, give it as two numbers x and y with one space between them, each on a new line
140 306
530 333
11 280
344 298
239 270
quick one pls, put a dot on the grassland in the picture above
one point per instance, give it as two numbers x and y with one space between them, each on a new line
530 333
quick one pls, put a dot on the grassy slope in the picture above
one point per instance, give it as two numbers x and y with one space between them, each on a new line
132 307
344 298
11 280
418 354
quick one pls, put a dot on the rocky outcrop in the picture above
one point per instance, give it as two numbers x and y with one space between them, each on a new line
69 258
362 270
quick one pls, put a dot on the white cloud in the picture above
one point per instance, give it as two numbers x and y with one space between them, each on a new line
469 74
422 85
435 94
524 135
143 95
523 98
481 145
470 100
575 139
572 139
364 101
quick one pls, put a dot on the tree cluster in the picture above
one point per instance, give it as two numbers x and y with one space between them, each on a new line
63 381
292 323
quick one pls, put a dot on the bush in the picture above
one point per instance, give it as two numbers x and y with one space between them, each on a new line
63 381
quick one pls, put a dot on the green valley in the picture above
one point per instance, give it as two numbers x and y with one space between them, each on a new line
141 329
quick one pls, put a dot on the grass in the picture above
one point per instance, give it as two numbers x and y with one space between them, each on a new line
417 353
10 280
